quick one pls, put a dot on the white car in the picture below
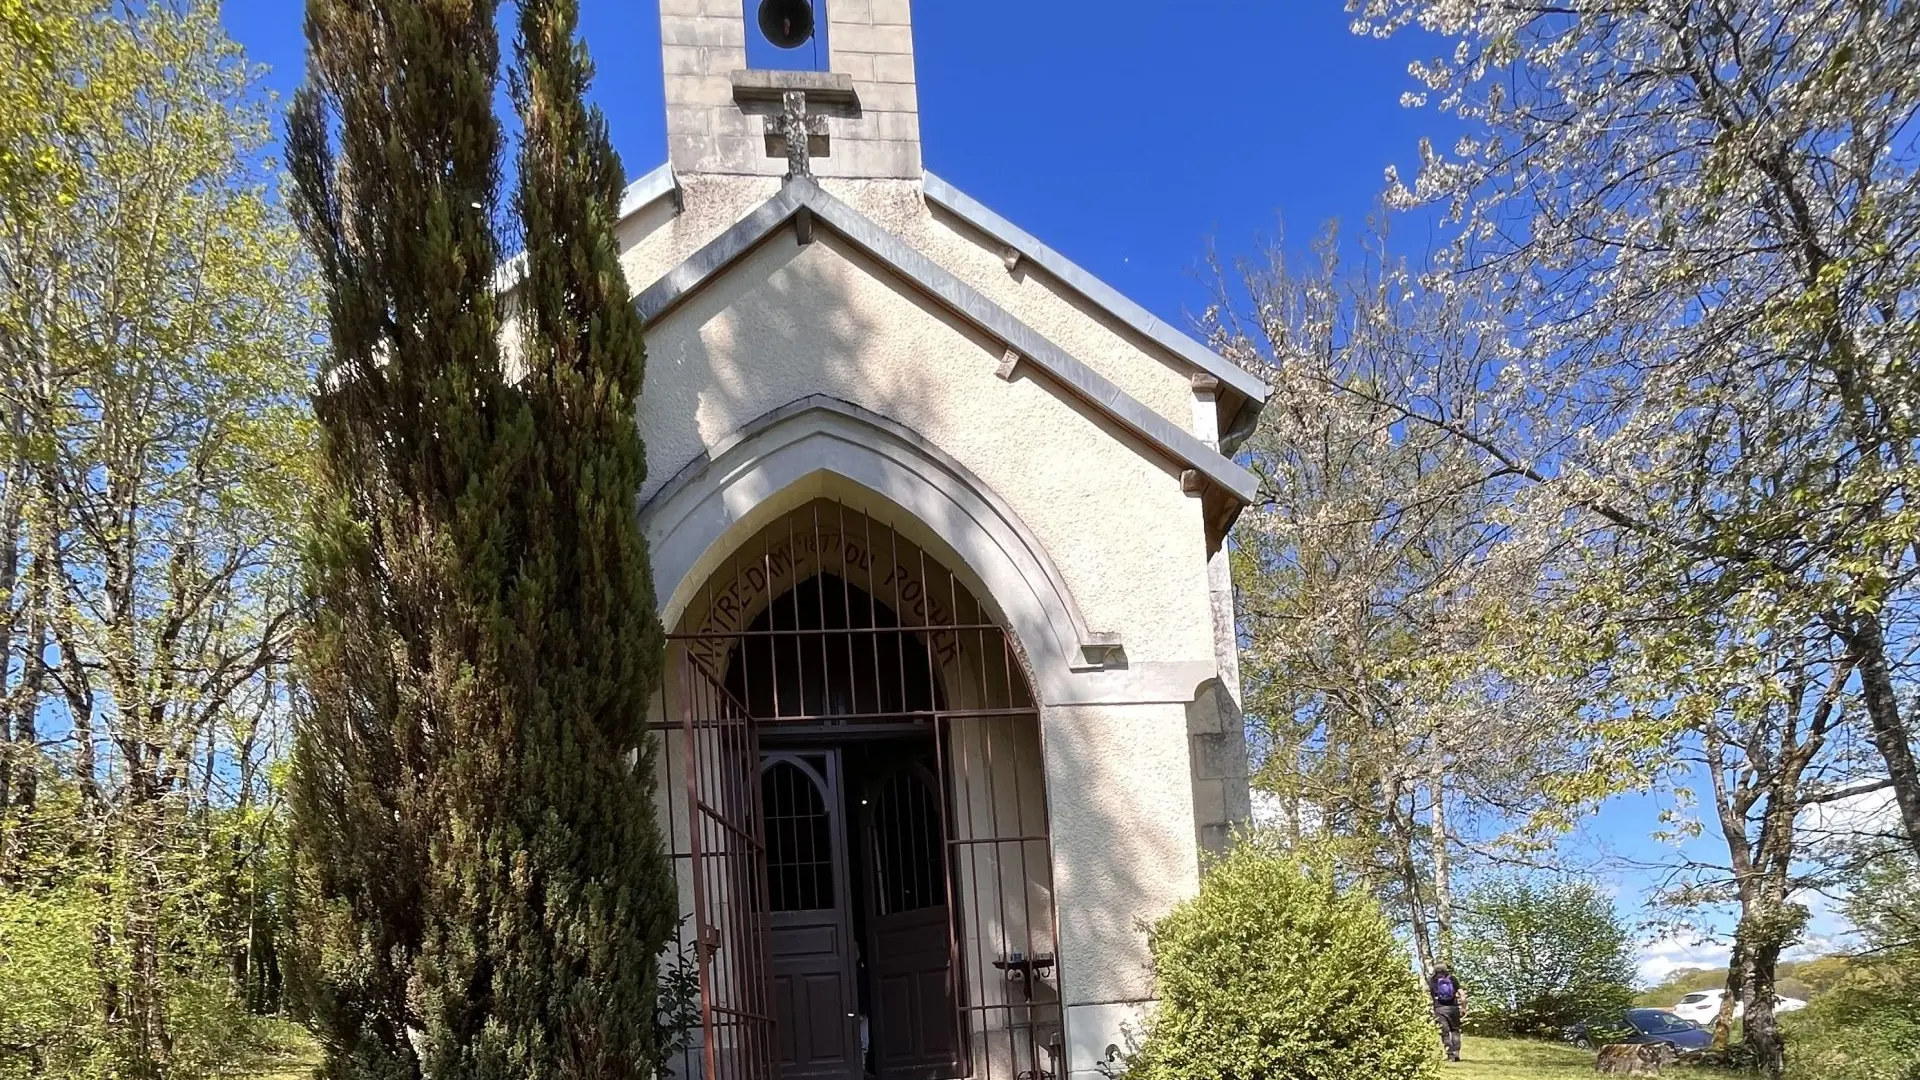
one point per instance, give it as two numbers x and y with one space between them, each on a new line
1703 1006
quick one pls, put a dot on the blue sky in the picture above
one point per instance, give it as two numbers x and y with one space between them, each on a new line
1126 135
1132 137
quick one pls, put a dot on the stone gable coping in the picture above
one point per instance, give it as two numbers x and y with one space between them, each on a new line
1022 245
1069 374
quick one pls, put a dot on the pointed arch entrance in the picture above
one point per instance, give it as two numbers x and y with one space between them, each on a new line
853 779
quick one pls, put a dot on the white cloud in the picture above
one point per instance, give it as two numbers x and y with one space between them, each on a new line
1669 954
1828 929
1270 812
1873 813
1814 946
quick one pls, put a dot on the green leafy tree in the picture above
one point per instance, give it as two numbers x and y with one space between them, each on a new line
1536 957
1706 257
1275 970
472 796
155 345
1867 1026
595 895
397 757
1691 231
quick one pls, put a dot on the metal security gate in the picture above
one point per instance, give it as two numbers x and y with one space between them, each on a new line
725 854
828 638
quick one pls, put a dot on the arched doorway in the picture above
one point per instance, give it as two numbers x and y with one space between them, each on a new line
862 820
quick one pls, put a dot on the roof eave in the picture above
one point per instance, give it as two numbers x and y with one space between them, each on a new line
649 189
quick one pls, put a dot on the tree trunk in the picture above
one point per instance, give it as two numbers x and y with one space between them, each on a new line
1409 871
146 994
20 703
1736 985
1888 728
1760 1027
27 695
12 503
1442 870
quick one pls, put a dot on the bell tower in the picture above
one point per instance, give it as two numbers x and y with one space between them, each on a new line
860 116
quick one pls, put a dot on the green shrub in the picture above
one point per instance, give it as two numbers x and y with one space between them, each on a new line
47 1015
1273 971
1866 1028
1538 956
51 1023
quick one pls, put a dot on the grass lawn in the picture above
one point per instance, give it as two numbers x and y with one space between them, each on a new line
1481 1058
293 1056
1484 1058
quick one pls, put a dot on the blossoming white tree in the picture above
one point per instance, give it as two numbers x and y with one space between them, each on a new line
1690 231
1399 720
1702 222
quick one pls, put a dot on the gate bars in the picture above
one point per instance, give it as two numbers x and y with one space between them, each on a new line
719 846
830 625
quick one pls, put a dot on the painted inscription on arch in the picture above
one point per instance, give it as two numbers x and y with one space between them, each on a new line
892 577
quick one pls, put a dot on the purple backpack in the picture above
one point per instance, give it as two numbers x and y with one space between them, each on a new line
1444 990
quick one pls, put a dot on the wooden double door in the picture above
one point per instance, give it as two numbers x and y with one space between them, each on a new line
862 934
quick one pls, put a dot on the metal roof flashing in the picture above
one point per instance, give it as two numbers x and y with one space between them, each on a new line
648 190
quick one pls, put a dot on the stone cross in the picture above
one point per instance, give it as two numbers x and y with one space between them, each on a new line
796 126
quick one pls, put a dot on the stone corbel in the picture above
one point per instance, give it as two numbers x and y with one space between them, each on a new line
1102 651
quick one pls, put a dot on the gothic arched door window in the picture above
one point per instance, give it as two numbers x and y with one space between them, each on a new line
815 1029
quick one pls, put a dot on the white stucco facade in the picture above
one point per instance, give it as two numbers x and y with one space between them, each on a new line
848 338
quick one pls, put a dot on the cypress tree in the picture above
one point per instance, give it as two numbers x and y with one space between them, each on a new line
591 901
422 446
483 886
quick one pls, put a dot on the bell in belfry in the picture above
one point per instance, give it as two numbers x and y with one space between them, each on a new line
786 23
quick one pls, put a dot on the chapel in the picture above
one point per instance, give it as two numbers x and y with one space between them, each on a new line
938 526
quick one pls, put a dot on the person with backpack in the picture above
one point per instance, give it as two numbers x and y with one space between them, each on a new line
1449 1001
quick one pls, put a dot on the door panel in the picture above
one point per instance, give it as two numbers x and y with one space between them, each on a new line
916 1019
817 1033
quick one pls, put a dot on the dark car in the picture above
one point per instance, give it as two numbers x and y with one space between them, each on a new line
1656 1027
